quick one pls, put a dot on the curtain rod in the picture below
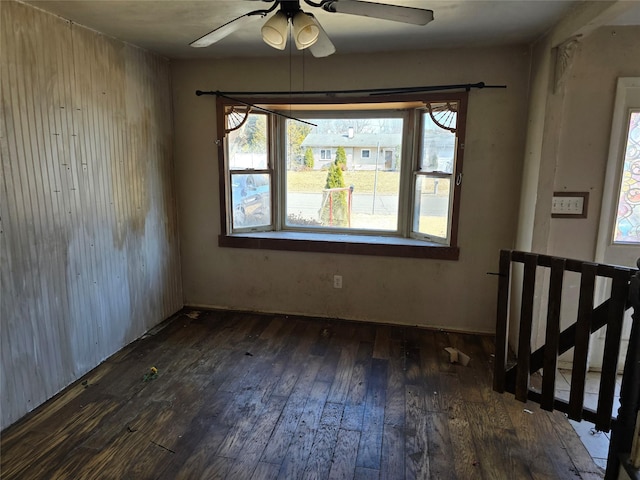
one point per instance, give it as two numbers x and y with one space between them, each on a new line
372 92
262 108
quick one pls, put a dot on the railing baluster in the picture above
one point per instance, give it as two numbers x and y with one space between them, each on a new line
568 335
552 337
581 349
619 291
502 318
623 427
526 319
589 320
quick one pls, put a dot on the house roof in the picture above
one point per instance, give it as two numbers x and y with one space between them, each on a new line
359 140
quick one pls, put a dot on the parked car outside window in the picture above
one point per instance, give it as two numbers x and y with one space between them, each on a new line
250 195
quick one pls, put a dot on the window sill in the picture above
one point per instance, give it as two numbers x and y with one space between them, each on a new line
340 244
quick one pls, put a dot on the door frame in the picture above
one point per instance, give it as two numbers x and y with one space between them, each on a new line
610 194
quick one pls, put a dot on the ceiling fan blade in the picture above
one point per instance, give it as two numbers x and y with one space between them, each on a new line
396 13
323 46
221 32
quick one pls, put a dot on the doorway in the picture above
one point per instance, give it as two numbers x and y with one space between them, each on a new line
619 231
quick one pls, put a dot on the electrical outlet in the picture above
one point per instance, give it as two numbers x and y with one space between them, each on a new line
337 281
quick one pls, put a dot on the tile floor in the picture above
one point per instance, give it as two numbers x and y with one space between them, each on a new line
597 443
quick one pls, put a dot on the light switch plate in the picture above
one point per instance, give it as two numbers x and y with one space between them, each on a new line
569 205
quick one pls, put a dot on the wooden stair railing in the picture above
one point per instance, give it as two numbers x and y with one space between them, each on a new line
516 378
624 426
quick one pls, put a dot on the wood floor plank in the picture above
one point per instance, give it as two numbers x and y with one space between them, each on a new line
292 412
321 455
332 414
501 454
342 379
33 461
443 341
251 397
560 458
343 463
431 374
198 445
217 469
439 446
363 473
370 448
392 455
249 458
219 327
382 343
119 457
244 396
416 439
327 371
394 412
412 364
61 407
302 337
323 340
473 375
465 455
573 446
251 403
353 413
295 460
265 471
352 417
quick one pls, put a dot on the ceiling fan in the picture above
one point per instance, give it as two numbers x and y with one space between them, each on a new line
307 31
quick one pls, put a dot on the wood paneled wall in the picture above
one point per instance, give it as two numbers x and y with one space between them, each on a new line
88 238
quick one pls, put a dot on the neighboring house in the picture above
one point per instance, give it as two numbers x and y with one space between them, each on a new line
364 150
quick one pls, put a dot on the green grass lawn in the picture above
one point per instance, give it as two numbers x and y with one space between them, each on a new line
314 180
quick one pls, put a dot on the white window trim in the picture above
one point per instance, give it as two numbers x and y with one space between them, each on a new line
610 192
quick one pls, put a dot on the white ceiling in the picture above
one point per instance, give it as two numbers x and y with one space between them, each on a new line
168 26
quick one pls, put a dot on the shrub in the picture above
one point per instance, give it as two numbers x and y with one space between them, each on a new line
341 158
338 202
308 159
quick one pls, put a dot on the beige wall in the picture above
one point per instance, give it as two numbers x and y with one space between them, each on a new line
583 146
602 57
452 295
88 239
547 125
568 139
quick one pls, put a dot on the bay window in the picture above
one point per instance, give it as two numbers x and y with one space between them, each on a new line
362 177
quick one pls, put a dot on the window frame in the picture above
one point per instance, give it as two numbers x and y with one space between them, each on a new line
342 242
354 114
258 171
631 111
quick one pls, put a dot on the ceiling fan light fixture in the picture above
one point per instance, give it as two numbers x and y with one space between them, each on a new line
323 46
274 31
305 30
396 13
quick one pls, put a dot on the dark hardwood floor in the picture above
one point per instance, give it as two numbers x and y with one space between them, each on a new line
245 396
